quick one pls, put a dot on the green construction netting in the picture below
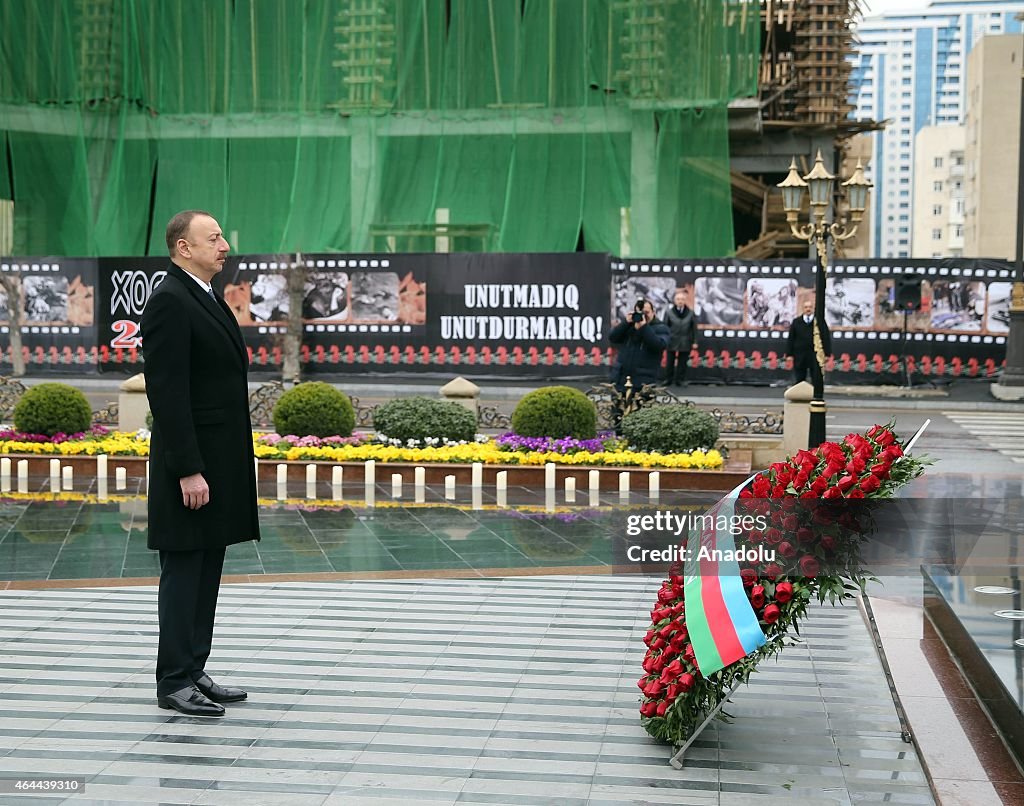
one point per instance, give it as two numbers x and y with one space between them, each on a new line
350 125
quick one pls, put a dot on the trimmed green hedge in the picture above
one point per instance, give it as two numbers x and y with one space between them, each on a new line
557 411
314 409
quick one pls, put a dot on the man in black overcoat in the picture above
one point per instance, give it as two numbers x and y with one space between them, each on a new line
682 327
800 345
202 490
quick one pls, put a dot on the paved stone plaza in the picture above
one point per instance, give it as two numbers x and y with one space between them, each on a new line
518 690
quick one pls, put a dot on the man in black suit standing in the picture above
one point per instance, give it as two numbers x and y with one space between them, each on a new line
800 345
202 492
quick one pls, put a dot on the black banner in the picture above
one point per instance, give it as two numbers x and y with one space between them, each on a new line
534 315
58 303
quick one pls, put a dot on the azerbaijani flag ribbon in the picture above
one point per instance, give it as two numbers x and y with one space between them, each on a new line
722 623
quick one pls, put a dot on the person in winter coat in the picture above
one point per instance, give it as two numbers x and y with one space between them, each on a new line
202 492
641 340
800 345
682 327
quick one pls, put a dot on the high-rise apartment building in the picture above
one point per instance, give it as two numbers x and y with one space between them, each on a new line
992 127
910 71
938 211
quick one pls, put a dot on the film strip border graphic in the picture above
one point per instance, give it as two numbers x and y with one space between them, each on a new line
856 269
381 356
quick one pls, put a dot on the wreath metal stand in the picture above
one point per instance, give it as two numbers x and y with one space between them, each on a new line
677 760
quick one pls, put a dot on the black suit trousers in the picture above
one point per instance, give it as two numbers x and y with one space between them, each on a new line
801 368
675 366
187 604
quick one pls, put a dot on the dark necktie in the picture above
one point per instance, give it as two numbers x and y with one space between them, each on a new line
212 296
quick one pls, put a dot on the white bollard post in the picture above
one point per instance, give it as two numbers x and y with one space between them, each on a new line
54 475
337 475
101 488
478 475
147 476
449 487
624 482
120 478
478 498
501 481
101 466
310 474
654 484
23 475
570 490
420 484
5 475
396 485
594 478
282 475
370 472
549 499
549 476
282 491
68 478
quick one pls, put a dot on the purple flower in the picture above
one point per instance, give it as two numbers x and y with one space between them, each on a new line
566 445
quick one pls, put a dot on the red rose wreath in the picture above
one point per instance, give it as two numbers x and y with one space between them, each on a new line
811 527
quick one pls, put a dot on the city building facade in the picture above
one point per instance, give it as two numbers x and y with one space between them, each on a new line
991 150
910 71
938 212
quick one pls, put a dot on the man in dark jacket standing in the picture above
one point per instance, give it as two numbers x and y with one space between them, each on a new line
641 341
202 493
800 345
682 327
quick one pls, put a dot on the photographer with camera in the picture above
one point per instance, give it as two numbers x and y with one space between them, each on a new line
641 341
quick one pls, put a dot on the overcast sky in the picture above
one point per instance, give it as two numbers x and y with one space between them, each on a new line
883 6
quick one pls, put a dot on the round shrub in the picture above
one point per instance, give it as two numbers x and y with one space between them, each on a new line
557 411
52 408
422 418
670 429
314 409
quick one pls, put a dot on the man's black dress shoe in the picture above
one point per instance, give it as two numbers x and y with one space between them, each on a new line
219 693
191 702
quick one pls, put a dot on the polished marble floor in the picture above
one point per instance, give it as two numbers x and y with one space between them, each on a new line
66 536
488 691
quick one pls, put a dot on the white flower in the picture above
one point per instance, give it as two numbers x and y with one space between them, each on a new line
142 434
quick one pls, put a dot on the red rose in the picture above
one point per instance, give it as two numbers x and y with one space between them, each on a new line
855 466
746 493
778 516
880 470
654 688
805 459
833 492
892 453
761 487
686 681
773 536
845 483
870 484
757 597
657 643
885 438
790 523
689 655
642 682
875 430
819 485
809 566
778 491
665 595
649 709
804 535
749 577
800 480
677 610
679 640
672 692
649 637
856 492
772 570
828 542
786 549
755 537
866 453
809 494
783 592
771 614
662 707
675 668
648 664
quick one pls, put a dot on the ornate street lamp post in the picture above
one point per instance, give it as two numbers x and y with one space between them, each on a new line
818 231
